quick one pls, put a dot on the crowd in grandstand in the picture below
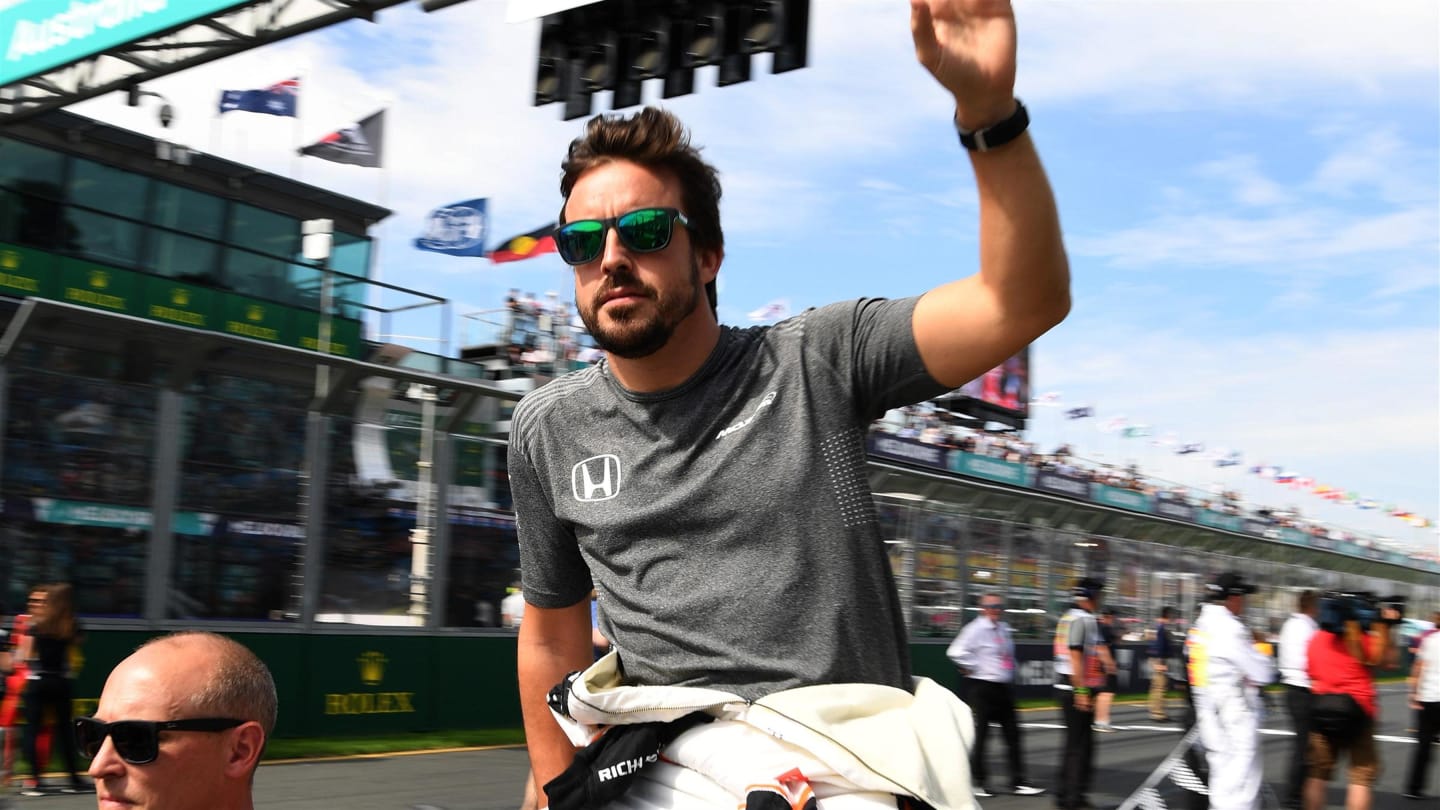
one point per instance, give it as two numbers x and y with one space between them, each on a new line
929 425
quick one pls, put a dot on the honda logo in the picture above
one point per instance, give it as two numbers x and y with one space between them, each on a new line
596 478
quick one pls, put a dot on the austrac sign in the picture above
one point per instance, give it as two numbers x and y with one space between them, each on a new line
38 35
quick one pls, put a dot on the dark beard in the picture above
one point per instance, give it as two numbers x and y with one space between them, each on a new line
633 338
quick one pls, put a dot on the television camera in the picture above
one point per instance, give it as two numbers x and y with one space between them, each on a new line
1363 607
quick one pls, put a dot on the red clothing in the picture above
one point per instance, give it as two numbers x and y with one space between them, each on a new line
1333 671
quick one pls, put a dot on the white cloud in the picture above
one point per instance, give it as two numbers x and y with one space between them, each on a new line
1139 54
1251 188
1346 407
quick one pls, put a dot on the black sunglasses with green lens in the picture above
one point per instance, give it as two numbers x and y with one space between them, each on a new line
644 230
138 741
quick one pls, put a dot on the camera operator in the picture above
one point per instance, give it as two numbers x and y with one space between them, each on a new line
1354 637
1228 673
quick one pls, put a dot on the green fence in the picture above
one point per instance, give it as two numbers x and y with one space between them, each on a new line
349 684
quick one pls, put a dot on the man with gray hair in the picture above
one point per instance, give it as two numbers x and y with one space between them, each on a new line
181 725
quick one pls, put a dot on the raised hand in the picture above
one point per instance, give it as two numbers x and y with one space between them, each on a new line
969 47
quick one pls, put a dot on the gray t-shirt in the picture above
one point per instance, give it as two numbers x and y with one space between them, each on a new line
727 523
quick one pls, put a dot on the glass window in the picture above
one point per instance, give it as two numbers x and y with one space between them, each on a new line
106 565
189 211
351 255
183 257
106 188
106 239
31 169
253 274
76 437
243 446
936 585
264 231
27 219
244 570
484 560
306 283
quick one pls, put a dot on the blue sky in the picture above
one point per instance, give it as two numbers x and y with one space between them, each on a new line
1250 194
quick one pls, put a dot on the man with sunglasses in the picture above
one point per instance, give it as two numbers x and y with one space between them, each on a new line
181 725
710 481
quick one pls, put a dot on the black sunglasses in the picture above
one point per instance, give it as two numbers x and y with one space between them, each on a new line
138 741
644 230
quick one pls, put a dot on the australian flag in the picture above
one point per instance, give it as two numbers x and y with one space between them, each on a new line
457 229
281 98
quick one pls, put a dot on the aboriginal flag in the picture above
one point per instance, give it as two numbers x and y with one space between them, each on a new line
525 246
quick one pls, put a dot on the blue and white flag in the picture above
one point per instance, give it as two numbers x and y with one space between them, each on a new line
280 98
458 229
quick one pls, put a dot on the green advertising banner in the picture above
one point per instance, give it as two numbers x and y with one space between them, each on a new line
24 271
992 469
359 684
179 303
29 272
470 458
38 35
255 319
1120 498
101 287
111 516
345 338
1294 536
1218 520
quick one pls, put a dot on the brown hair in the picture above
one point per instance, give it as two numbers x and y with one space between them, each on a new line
1307 600
653 138
58 618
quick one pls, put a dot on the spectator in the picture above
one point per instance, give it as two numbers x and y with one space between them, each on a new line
1161 649
1294 644
984 652
181 724
1339 660
1424 689
1105 696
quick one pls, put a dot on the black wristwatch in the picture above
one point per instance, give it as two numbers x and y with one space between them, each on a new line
996 135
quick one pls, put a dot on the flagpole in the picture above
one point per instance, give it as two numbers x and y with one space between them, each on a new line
384 192
295 127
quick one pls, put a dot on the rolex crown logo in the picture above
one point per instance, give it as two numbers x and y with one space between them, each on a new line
180 296
255 312
372 667
9 259
99 279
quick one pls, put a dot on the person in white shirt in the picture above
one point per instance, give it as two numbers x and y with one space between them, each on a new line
1294 639
1424 686
1228 674
985 654
512 607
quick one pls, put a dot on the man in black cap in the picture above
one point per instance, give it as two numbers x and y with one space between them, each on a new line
1227 679
1078 673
